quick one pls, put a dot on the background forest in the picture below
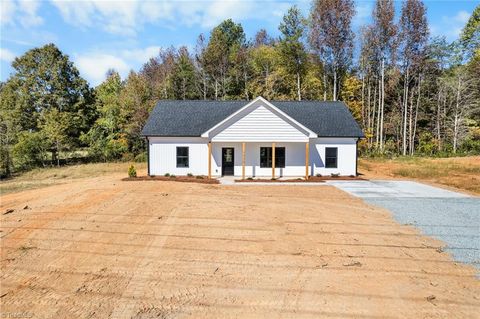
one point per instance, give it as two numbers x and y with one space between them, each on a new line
412 94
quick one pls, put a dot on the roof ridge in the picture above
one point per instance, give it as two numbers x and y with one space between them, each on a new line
228 101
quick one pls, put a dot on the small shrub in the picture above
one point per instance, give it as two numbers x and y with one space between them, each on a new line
141 158
319 175
190 175
167 174
199 177
335 174
173 176
132 172
250 178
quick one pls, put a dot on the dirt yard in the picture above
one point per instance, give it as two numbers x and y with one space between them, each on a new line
461 173
103 248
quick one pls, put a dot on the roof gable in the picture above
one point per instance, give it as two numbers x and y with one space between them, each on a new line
259 120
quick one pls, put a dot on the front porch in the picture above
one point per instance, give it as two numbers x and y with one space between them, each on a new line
259 159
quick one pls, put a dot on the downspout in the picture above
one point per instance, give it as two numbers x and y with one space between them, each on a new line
148 155
356 158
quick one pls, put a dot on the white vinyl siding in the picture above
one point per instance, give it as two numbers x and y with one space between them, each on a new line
259 124
163 155
346 156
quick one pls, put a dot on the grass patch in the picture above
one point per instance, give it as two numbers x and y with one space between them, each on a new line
43 177
459 172
434 170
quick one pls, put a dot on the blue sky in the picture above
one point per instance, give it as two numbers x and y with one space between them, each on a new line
103 34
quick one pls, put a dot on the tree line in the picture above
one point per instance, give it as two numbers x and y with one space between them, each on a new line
411 93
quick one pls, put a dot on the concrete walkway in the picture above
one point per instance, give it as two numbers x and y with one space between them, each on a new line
393 189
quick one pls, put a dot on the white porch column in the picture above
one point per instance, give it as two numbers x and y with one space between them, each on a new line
307 160
273 160
209 159
243 160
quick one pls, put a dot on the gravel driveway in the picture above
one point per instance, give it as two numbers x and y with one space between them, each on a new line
451 217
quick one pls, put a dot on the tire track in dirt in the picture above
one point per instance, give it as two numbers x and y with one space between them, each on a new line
138 282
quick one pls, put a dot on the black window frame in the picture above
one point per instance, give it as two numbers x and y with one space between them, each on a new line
266 157
183 157
329 158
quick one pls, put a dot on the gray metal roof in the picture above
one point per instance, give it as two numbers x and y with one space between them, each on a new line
192 118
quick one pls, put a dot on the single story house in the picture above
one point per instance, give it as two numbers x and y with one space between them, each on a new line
255 138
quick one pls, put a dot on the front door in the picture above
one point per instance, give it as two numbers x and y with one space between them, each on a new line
227 160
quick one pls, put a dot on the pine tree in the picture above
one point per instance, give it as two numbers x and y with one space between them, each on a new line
292 51
183 76
224 40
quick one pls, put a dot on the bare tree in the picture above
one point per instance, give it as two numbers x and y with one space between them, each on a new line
385 32
331 36
462 101
262 38
200 66
158 72
413 36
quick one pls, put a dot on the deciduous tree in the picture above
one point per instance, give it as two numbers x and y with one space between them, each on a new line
331 36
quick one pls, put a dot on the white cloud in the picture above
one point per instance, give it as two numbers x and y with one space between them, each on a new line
457 23
127 17
6 55
23 12
451 25
208 14
29 17
94 66
462 16
219 10
118 17
7 11
141 55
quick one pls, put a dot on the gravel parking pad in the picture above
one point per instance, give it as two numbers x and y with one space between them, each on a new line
456 221
451 217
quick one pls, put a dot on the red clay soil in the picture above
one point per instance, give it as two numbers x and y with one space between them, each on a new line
102 248
311 179
184 179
